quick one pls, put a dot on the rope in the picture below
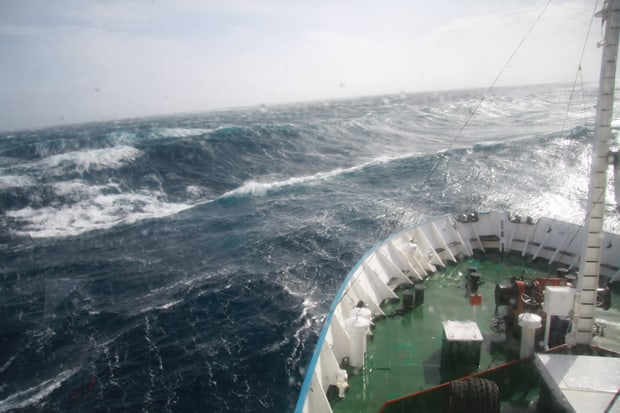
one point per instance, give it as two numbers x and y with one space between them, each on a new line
488 91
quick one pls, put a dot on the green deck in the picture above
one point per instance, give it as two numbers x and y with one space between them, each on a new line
404 353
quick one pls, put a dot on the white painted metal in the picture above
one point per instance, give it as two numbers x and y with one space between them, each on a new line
358 329
588 383
529 323
558 302
370 279
589 266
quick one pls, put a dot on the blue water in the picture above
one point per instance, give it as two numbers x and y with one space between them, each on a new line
185 263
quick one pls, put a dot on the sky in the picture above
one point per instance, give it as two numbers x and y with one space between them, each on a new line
73 61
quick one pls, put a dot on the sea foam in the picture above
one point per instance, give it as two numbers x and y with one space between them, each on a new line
92 159
95 212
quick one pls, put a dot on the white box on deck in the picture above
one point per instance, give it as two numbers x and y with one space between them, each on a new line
461 331
559 300
461 344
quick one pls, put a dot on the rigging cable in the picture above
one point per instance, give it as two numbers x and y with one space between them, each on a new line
579 75
488 91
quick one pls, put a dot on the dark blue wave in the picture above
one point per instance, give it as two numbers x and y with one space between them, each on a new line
185 263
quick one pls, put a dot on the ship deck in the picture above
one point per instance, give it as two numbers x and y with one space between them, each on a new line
404 353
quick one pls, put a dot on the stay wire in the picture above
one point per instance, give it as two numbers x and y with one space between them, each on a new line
579 75
488 91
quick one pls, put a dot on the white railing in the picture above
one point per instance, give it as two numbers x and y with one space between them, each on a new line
414 252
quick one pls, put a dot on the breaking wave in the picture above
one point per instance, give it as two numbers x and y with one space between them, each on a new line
187 262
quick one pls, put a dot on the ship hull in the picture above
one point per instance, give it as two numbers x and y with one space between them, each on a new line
411 257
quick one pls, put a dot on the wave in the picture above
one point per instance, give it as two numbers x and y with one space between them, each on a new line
122 137
15 181
77 206
93 208
182 132
240 286
255 188
35 394
93 159
475 149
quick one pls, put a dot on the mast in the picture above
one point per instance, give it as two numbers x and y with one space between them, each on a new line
589 267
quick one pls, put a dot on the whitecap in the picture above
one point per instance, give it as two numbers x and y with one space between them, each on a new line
8 363
36 393
123 137
262 188
15 181
194 191
98 211
182 132
81 189
92 159
165 306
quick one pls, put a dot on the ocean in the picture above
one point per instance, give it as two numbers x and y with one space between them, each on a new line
185 263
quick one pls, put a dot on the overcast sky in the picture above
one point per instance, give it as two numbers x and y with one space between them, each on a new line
71 61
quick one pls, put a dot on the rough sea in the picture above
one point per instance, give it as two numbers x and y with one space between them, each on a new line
185 263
